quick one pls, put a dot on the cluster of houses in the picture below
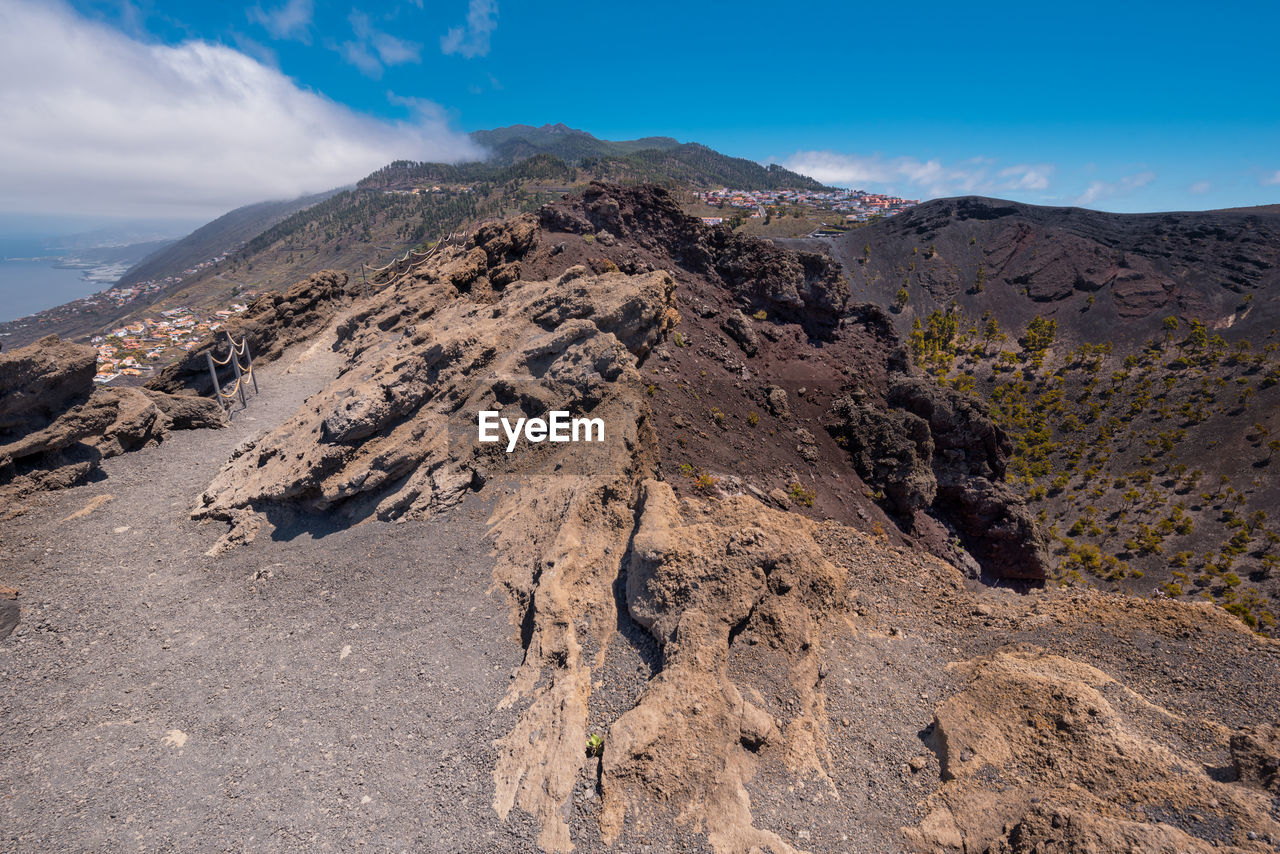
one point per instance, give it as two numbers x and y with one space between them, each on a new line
135 349
856 205
156 285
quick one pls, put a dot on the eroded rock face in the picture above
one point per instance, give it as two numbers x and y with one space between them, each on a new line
934 449
40 382
890 449
1255 754
699 575
805 286
56 426
1084 752
395 435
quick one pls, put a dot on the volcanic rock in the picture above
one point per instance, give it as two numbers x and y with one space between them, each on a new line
56 426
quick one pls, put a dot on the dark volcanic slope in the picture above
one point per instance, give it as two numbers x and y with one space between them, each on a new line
1087 269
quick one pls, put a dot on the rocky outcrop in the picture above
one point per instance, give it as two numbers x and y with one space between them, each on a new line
1093 763
737 327
699 577
40 382
969 462
741 664
1255 755
271 324
934 449
56 426
805 286
891 450
396 434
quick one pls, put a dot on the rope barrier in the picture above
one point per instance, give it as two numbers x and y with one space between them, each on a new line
243 371
396 262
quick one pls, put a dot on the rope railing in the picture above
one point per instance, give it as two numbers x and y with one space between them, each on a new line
243 372
368 274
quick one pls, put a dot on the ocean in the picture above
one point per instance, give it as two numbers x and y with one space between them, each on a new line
30 286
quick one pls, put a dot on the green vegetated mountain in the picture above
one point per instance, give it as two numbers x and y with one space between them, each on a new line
226 232
1133 361
410 204
514 143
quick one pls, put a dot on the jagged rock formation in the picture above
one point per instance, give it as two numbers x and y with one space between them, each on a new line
782 650
55 426
396 434
936 448
271 324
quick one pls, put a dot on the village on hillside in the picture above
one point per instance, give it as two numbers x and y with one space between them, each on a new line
134 350
138 348
856 205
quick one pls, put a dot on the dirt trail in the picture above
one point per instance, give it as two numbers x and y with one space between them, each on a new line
326 691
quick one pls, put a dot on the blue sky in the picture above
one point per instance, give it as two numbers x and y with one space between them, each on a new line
1119 106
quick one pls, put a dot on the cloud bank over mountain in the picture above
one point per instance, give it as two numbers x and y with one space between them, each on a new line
926 178
98 122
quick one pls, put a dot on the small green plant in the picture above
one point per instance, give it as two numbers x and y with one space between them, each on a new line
753 419
705 482
718 416
651 390
589 238
595 745
678 339
761 315
686 470
800 495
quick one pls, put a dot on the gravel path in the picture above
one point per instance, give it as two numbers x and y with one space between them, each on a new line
322 692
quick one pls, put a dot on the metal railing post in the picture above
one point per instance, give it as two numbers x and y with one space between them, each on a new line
213 372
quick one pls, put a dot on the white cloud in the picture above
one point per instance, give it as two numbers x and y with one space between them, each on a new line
1199 188
290 21
472 39
96 122
925 178
373 49
1272 179
1099 190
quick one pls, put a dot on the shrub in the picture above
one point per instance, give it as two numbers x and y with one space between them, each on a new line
800 495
